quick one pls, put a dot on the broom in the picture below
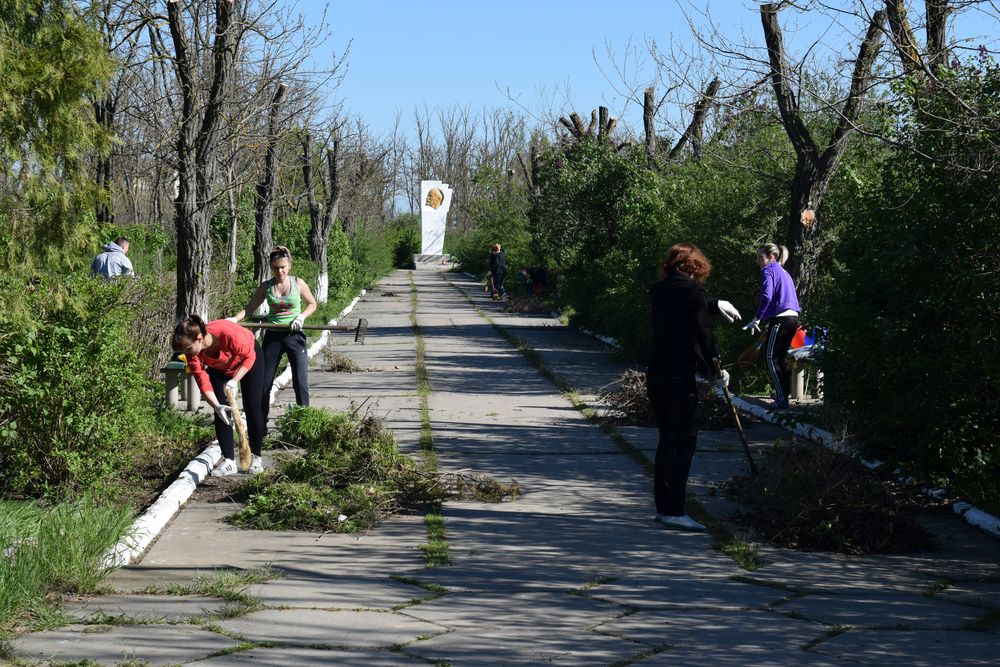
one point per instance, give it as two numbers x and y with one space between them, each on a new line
241 432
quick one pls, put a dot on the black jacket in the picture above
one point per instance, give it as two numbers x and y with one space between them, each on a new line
498 263
683 343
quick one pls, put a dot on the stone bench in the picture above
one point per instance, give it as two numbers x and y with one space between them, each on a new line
180 386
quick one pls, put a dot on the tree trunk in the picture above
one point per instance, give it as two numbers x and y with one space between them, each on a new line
196 143
937 24
233 224
813 168
321 218
104 113
264 238
693 132
648 109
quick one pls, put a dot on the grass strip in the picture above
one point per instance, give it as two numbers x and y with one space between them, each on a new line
436 550
724 540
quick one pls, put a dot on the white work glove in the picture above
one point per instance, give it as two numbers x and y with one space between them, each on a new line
296 324
729 311
753 326
233 386
223 412
723 380
235 321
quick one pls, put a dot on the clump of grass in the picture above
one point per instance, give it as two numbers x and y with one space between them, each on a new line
53 549
808 497
351 477
337 362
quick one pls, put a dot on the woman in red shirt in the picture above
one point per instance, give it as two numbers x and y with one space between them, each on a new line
222 354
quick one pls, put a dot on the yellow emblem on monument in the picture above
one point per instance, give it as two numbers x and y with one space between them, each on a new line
434 198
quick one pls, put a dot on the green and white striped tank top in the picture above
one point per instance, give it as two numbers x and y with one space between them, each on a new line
284 309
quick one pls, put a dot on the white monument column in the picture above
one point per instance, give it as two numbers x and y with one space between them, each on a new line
435 200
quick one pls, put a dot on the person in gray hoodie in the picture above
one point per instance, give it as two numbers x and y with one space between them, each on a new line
112 260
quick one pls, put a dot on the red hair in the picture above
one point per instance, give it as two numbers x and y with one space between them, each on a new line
687 258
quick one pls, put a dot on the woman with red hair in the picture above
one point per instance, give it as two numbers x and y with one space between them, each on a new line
682 345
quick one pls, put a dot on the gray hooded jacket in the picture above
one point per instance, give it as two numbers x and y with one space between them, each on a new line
112 262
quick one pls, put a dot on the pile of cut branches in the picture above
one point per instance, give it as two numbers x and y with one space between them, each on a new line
625 401
350 477
811 498
525 304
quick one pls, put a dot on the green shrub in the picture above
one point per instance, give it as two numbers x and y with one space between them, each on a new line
407 244
372 251
915 323
75 394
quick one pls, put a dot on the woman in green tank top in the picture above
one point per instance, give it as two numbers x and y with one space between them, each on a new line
285 295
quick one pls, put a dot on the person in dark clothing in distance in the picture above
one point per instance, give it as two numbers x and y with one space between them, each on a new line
498 271
682 346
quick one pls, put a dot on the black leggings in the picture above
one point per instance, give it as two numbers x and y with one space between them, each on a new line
293 344
780 332
675 404
251 386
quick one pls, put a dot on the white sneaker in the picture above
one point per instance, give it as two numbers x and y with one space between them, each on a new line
256 466
683 522
227 468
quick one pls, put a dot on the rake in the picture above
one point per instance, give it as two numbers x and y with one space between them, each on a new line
360 330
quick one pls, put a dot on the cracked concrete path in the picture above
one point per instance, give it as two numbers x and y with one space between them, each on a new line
573 572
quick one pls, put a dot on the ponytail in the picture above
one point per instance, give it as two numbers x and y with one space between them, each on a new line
187 330
779 252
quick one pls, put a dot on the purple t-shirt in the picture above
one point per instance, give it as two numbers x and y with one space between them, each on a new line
777 292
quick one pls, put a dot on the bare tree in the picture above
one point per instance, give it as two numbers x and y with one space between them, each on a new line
322 216
197 141
264 214
815 164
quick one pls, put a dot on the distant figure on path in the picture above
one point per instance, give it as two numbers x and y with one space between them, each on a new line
682 345
289 302
233 359
779 309
112 260
498 271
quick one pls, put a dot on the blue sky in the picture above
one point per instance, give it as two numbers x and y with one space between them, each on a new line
405 54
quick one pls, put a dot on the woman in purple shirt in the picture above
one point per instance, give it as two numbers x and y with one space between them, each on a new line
779 310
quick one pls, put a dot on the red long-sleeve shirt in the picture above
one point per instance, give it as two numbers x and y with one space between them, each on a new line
236 350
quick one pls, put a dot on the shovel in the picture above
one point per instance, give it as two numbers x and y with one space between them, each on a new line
360 330
241 433
736 420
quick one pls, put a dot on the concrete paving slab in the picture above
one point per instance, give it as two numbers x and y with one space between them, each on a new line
687 591
745 632
825 572
350 590
981 594
740 658
881 610
144 608
335 629
304 657
924 648
558 610
520 646
111 644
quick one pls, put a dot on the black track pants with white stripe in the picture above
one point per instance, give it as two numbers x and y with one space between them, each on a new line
780 331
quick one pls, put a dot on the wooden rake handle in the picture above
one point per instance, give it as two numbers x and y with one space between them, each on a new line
241 432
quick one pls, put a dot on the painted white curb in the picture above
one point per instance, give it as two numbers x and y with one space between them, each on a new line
148 526
972 515
145 529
